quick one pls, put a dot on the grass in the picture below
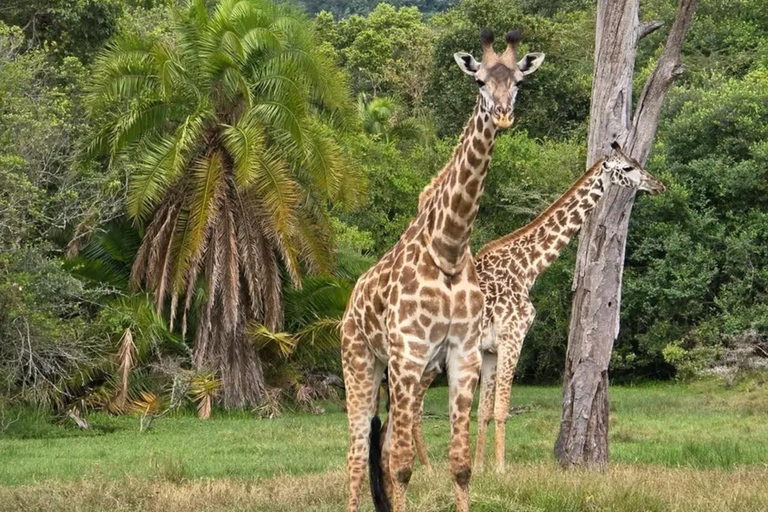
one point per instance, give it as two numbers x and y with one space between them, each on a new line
673 447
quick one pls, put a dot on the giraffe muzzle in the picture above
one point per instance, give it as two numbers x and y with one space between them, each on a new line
503 117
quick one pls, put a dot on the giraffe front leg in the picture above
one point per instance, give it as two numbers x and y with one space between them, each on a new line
485 406
362 377
463 369
404 378
510 343
418 428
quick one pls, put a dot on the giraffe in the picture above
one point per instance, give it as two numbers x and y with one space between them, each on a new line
508 267
420 307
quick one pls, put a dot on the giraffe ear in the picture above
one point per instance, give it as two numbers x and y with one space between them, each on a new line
467 63
530 62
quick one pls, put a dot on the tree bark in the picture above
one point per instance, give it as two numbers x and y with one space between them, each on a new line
583 437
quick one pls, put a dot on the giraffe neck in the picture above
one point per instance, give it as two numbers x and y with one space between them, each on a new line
533 248
450 202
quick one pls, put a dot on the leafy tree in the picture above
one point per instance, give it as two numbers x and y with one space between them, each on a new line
78 27
225 129
395 176
382 117
345 8
389 52
697 258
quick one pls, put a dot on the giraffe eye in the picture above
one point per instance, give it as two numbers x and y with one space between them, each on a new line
626 168
479 82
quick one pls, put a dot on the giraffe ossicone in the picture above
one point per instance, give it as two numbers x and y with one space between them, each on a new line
419 309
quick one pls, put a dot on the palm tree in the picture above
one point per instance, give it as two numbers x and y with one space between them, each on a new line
383 118
226 128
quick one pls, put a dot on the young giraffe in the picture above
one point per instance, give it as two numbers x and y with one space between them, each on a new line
420 307
507 269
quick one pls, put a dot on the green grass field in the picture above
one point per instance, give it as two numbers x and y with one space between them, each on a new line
673 447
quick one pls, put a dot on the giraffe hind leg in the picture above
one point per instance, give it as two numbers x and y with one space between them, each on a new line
485 406
362 376
510 344
418 428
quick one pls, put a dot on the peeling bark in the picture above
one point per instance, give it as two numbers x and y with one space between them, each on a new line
583 437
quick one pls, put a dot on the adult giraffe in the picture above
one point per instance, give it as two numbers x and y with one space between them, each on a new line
419 308
508 267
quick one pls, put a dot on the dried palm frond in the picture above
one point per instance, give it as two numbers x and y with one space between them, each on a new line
148 403
126 357
204 389
271 404
281 343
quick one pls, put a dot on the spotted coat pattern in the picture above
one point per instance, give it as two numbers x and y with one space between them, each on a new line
417 311
508 267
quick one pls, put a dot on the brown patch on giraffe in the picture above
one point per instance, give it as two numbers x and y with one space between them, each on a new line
464 176
394 295
476 300
472 187
453 229
419 349
438 332
478 144
473 159
414 328
407 308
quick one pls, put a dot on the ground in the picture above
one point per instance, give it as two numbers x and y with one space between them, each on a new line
673 447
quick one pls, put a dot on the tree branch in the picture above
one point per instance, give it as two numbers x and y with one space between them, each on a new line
648 28
646 117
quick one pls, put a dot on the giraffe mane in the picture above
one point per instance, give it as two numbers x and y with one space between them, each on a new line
508 238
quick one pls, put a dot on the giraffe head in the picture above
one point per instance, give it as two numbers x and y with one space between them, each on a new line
625 171
498 75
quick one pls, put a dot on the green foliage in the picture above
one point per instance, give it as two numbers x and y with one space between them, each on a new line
383 118
389 52
208 117
553 102
395 178
697 258
344 8
78 28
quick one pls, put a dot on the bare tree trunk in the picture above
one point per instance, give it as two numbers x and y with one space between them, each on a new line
583 437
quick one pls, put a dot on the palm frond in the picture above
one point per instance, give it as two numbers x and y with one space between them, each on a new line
281 343
126 357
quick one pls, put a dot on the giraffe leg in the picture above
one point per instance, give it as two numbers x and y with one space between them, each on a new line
404 377
418 432
485 406
510 343
463 368
362 377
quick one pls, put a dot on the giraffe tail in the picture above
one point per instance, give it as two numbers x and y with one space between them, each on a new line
376 476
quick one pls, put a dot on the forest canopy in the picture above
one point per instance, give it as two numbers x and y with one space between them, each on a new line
292 141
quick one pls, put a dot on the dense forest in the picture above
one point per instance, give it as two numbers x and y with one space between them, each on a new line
189 190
